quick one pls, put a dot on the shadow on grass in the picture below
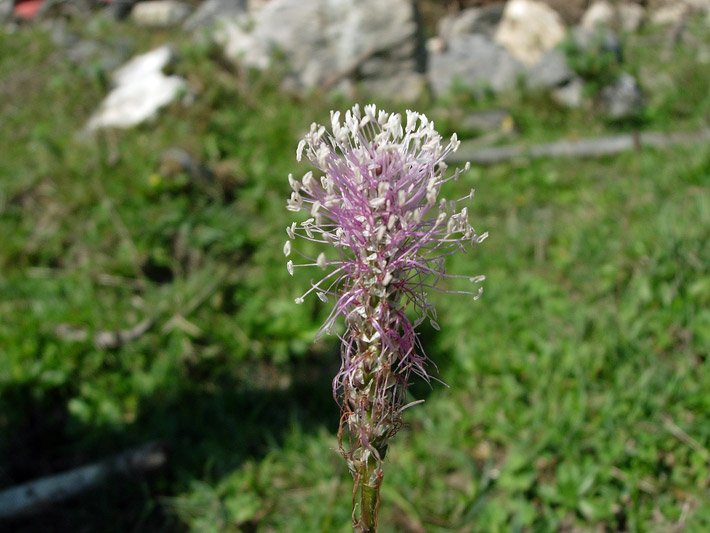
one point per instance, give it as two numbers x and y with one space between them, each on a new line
208 427
210 423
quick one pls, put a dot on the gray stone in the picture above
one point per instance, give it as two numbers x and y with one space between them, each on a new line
551 71
483 20
326 40
474 61
600 14
6 9
528 29
571 94
160 13
141 90
622 99
212 11
599 41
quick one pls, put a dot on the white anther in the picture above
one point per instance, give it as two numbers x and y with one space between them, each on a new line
295 184
308 181
299 150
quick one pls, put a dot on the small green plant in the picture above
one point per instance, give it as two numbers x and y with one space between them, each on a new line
595 58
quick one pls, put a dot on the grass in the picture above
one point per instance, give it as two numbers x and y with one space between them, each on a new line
578 386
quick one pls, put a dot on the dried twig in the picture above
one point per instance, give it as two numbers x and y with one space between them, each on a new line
34 495
105 339
582 148
113 339
675 430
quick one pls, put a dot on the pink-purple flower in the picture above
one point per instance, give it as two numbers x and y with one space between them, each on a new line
377 209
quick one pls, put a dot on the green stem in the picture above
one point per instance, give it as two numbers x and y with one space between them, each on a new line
369 482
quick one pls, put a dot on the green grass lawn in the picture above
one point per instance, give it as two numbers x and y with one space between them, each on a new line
578 393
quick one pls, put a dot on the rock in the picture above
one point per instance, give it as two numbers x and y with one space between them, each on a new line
631 16
600 41
671 14
673 11
6 9
626 16
141 90
571 94
571 11
474 61
622 99
600 14
159 13
91 55
551 71
528 29
212 11
483 20
326 41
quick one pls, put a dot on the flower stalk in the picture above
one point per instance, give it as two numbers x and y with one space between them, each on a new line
377 206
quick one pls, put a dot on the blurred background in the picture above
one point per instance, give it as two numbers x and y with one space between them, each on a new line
147 321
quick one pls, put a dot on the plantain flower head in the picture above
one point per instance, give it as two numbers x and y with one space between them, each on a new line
375 206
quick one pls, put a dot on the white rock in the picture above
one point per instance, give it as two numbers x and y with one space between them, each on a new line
141 90
672 11
628 16
129 105
143 65
600 13
529 29
570 95
669 14
159 13
631 16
